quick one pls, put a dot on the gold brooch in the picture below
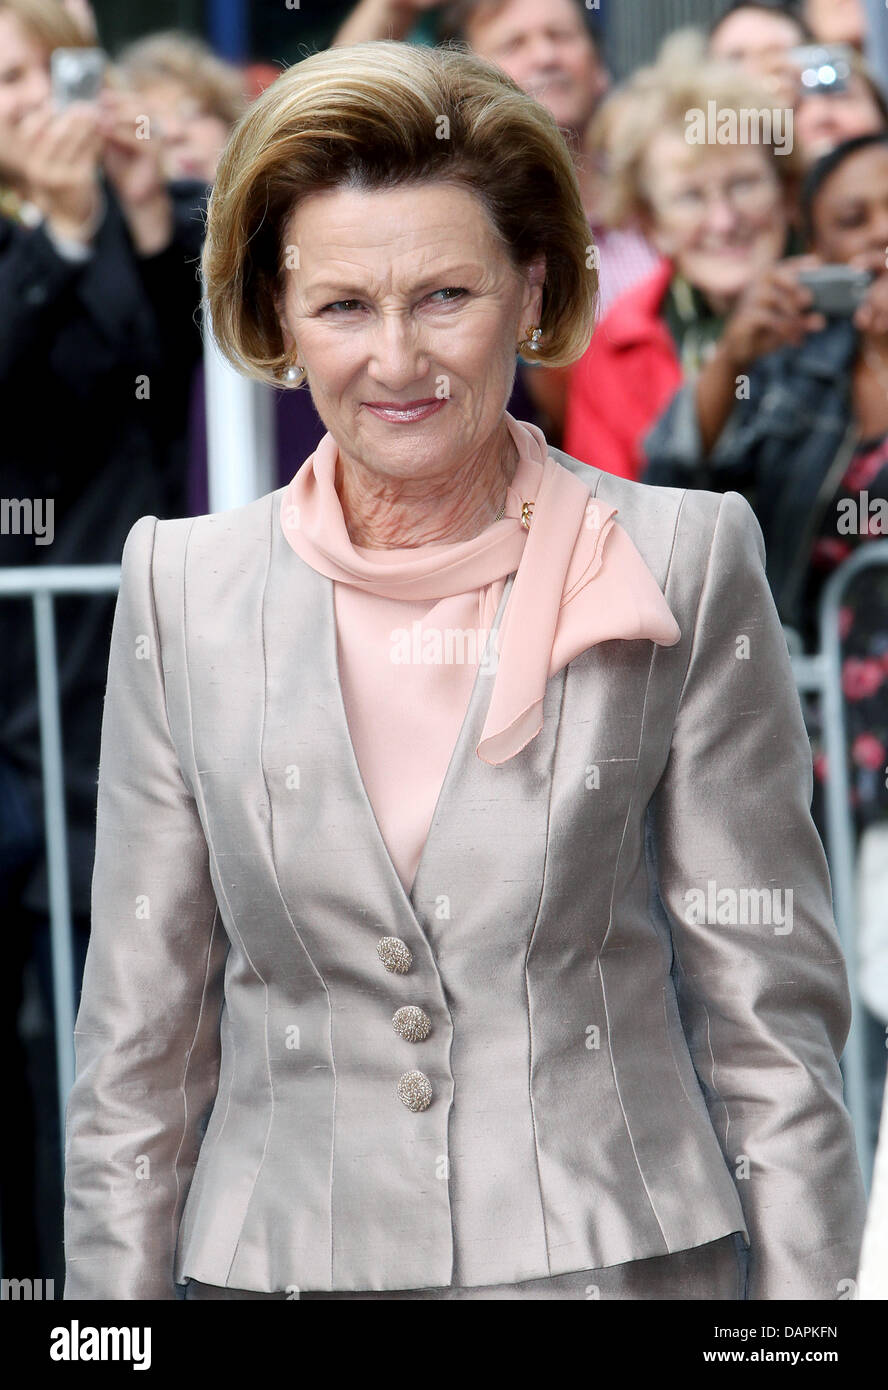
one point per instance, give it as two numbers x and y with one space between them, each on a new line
526 514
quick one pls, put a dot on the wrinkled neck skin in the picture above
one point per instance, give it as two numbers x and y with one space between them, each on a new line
384 512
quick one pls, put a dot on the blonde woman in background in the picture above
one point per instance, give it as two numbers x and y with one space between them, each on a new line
720 214
192 97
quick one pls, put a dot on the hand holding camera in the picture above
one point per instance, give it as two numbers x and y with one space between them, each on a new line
777 309
56 152
871 315
56 156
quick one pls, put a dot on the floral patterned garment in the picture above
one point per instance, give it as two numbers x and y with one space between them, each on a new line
864 633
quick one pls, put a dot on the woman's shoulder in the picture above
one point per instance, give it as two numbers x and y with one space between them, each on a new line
644 505
227 531
219 542
672 527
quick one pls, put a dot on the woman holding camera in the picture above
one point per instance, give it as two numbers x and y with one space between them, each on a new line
97 280
718 213
792 409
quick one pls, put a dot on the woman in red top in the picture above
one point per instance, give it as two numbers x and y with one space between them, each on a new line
718 213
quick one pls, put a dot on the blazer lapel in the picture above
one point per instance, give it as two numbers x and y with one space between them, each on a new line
489 822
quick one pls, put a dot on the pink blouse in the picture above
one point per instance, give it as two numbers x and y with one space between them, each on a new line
412 624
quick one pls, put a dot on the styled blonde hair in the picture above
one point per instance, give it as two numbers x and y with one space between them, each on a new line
48 23
379 115
183 58
658 98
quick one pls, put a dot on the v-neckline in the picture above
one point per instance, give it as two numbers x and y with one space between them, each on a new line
457 757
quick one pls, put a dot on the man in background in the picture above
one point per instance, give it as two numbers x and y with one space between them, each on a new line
761 37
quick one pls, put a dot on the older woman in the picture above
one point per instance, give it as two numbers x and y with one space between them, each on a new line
453 798
718 213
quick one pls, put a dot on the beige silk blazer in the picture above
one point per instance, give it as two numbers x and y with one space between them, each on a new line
622 936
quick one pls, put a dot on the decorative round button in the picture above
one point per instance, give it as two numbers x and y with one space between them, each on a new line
395 954
412 1023
415 1090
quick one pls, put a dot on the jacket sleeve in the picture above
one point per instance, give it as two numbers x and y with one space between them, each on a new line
765 1007
147 1029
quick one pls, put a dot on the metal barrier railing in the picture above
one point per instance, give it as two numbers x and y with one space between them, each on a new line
820 673
241 455
41 583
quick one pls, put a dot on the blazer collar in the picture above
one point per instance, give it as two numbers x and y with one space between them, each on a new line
579 580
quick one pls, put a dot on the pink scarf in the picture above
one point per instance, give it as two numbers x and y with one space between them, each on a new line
554 611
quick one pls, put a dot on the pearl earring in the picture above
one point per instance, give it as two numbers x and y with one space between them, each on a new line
294 374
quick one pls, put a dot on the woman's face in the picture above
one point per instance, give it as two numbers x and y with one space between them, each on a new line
405 310
824 121
24 71
719 213
851 212
193 138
